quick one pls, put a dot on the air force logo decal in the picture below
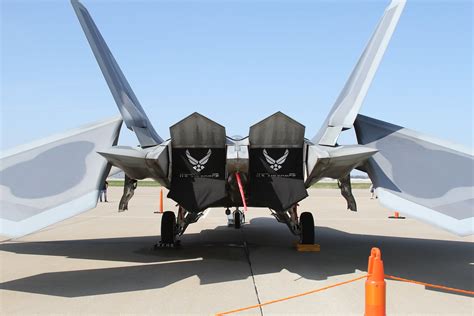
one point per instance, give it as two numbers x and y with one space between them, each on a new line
198 165
275 164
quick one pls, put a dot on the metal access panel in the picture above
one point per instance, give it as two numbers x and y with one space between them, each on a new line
198 157
276 163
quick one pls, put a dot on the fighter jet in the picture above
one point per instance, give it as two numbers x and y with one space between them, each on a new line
272 167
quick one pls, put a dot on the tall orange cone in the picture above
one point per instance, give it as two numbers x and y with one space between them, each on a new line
161 201
375 285
160 206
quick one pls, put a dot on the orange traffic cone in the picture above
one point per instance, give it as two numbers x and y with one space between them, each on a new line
375 285
161 201
160 210
397 216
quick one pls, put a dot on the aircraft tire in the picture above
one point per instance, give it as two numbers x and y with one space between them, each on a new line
237 220
307 228
168 227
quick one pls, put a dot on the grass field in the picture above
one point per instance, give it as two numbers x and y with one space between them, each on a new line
320 185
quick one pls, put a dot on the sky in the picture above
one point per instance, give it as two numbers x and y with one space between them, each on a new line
236 62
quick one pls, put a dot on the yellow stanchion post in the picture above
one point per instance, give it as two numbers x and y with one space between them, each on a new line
375 285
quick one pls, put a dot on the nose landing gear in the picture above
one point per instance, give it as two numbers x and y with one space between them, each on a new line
235 219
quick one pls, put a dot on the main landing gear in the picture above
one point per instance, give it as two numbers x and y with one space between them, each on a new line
307 228
168 229
173 226
304 227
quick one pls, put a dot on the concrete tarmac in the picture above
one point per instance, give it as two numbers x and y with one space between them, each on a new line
102 262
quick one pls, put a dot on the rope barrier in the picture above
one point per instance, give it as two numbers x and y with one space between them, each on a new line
375 294
291 297
430 285
342 283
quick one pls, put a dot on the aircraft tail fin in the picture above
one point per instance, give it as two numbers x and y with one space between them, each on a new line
132 112
349 102
419 175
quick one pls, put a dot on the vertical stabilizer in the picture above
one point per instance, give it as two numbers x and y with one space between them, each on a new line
132 112
347 106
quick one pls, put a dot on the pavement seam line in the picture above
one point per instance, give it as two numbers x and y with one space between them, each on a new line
247 255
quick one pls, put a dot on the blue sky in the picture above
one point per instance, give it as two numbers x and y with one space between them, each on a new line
235 62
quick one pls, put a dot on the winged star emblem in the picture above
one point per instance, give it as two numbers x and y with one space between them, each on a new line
198 165
275 164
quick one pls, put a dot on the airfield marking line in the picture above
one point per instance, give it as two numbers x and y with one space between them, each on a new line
167 262
430 285
292 296
247 255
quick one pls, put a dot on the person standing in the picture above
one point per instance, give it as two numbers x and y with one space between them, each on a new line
103 191
372 192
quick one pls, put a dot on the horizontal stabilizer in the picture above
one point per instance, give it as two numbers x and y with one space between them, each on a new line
335 163
419 175
130 159
132 112
55 178
349 102
140 163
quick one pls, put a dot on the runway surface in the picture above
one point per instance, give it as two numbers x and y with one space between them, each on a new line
102 262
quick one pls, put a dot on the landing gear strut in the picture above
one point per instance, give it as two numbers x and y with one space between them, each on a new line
304 227
236 218
307 228
173 226
344 184
168 229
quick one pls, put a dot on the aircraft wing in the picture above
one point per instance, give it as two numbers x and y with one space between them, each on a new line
421 176
55 178
132 112
347 106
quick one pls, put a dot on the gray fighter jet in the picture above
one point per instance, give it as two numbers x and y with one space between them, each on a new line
273 167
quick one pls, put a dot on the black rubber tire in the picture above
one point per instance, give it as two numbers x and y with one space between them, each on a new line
168 227
307 228
237 223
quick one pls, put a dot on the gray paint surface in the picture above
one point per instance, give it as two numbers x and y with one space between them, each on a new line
20 211
419 169
27 181
277 130
196 130
41 177
349 102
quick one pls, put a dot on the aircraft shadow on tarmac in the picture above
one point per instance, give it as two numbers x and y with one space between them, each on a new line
219 255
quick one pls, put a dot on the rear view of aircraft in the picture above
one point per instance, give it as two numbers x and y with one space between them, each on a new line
272 167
